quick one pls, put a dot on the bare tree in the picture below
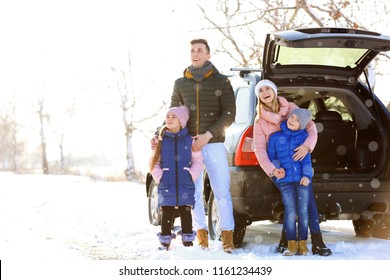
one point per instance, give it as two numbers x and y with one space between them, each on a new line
11 147
129 100
43 119
58 130
243 24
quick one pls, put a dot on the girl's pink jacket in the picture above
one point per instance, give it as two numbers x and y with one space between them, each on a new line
268 123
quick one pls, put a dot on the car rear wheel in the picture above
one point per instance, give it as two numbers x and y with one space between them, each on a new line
369 228
154 211
213 218
362 227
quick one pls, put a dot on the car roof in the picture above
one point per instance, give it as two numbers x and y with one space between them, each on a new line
322 53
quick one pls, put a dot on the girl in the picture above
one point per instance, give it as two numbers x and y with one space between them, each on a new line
175 167
294 182
272 110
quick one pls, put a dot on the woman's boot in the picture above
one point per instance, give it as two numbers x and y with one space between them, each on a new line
292 247
318 246
282 243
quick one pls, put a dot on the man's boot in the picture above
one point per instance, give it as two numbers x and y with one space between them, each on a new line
227 241
318 246
203 238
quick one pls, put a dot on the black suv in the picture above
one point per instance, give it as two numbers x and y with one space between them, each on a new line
325 71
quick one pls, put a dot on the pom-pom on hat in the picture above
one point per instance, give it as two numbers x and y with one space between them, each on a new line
182 113
304 116
266 83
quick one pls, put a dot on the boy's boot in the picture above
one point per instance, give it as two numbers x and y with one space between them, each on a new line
227 241
187 238
282 243
165 241
318 246
292 247
203 238
302 248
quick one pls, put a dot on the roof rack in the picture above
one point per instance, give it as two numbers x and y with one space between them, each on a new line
245 71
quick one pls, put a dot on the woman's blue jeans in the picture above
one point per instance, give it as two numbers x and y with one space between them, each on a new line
296 203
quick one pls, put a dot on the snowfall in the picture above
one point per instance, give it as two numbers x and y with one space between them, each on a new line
71 227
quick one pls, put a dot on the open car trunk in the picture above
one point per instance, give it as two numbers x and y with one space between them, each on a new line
350 139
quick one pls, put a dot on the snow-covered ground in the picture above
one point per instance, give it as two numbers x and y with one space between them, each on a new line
60 219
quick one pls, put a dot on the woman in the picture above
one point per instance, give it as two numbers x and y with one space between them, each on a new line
272 110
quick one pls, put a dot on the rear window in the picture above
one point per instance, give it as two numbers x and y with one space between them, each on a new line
339 57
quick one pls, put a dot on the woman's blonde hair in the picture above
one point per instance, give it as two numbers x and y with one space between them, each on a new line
275 106
157 151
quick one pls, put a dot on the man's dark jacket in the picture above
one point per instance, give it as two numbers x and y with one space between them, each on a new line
211 103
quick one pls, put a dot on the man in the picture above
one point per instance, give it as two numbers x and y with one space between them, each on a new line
210 98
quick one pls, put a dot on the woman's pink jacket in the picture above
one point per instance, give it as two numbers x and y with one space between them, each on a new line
268 123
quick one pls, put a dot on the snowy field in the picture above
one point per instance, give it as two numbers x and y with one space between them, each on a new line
69 221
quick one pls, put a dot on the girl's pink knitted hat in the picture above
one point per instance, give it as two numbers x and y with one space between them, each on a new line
182 113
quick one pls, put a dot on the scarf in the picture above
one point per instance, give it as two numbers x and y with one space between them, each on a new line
198 74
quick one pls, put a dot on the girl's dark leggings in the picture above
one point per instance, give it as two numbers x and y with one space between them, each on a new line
168 219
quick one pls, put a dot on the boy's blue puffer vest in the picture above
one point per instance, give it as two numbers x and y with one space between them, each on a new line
280 150
176 186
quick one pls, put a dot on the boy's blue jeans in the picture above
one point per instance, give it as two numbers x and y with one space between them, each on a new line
296 203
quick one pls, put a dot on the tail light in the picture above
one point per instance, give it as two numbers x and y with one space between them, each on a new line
244 152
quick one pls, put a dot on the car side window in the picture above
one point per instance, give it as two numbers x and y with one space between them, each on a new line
242 99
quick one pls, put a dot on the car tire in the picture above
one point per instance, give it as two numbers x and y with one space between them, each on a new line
381 230
362 227
154 211
213 218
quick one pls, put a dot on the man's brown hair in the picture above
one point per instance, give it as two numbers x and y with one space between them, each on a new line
202 41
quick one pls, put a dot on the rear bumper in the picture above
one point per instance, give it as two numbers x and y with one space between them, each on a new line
255 196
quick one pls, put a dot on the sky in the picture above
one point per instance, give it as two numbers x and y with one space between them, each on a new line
74 227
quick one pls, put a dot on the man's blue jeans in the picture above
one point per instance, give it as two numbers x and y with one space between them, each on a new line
296 203
215 161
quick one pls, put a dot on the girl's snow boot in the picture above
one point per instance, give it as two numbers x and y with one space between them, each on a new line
165 241
187 238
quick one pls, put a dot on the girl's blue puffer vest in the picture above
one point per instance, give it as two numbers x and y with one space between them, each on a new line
176 186
280 150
